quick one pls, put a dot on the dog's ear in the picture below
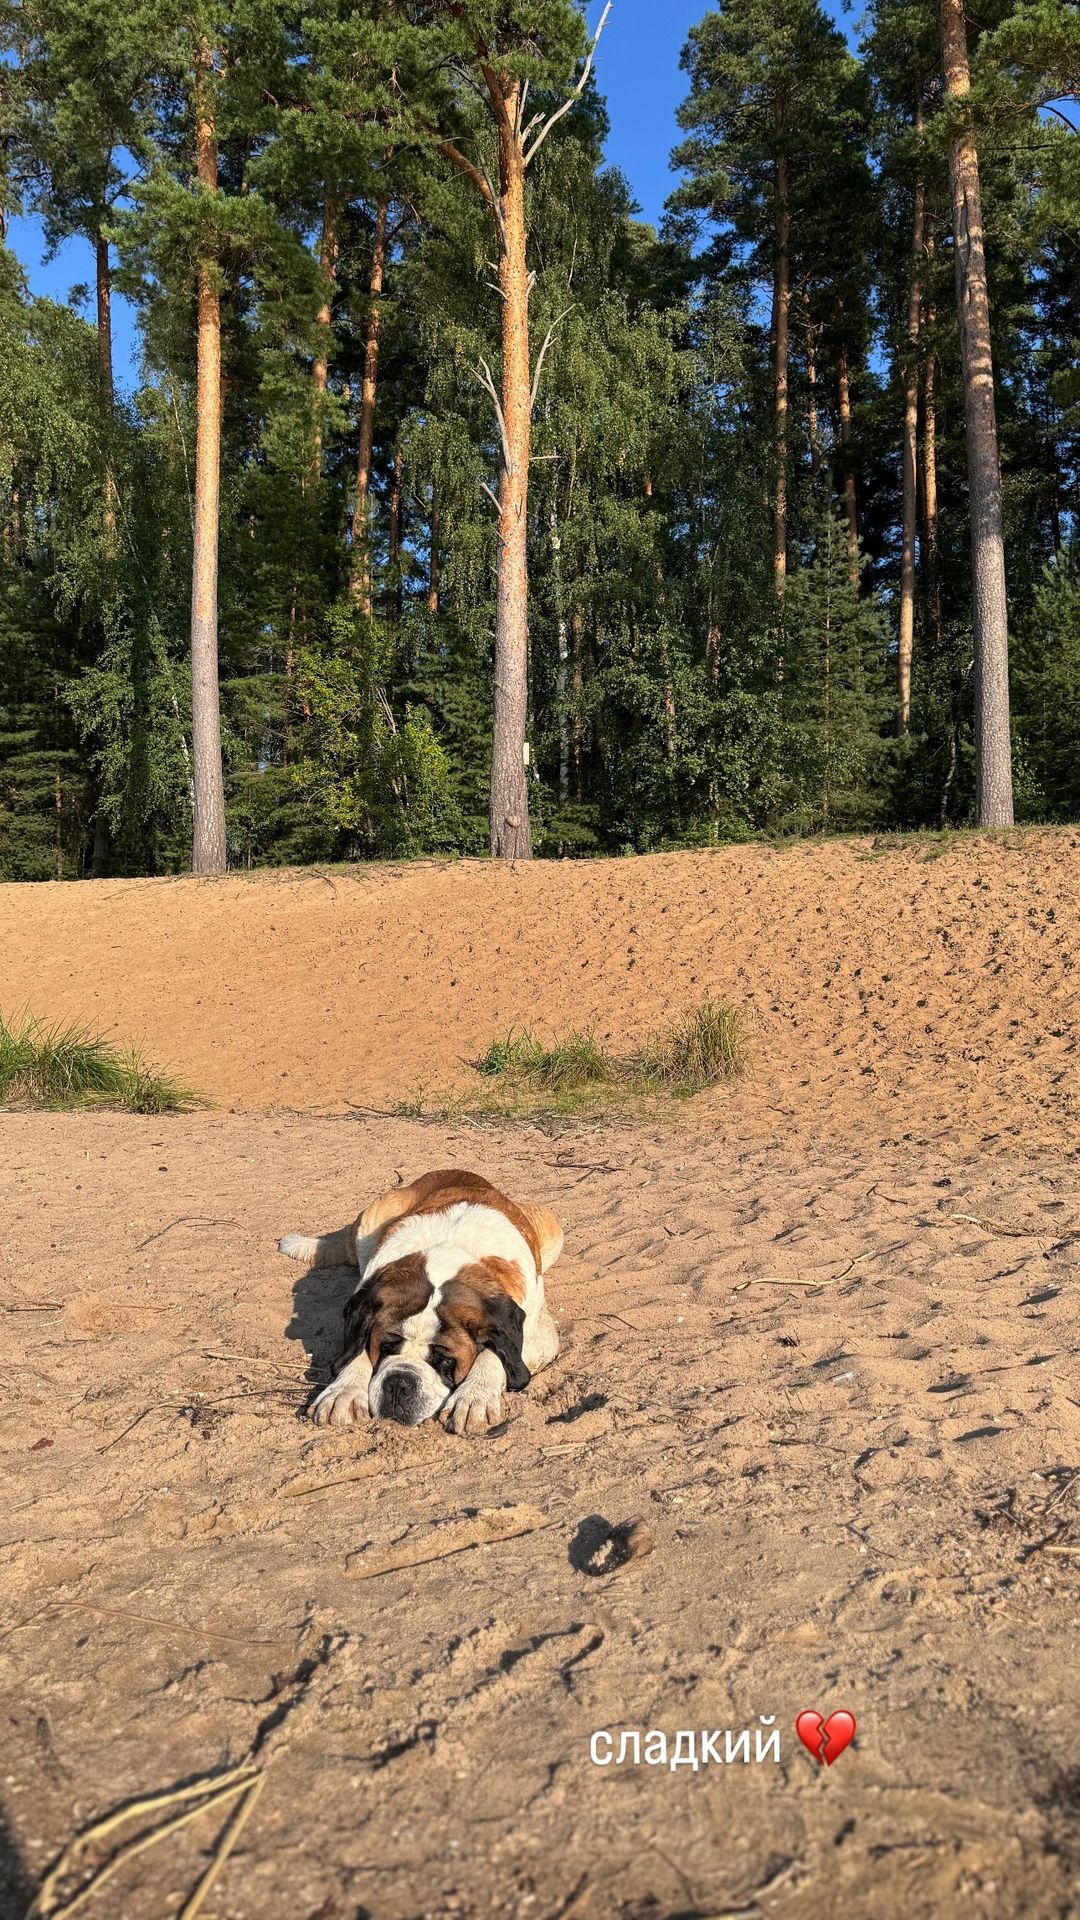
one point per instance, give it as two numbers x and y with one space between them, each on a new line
503 1334
359 1314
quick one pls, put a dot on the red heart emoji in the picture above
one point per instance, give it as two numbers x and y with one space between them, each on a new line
826 1739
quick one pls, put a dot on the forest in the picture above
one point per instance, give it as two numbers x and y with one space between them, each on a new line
457 510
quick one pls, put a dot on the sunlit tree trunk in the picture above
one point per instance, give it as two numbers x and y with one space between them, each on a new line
929 479
780 315
993 751
909 508
510 835
360 570
851 504
208 845
577 684
812 429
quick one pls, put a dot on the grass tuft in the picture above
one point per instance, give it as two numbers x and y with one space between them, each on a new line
704 1048
568 1066
66 1066
701 1049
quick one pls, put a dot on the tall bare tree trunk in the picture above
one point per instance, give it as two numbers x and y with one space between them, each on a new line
360 569
909 511
993 750
812 429
563 650
328 264
577 682
434 535
780 312
99 855
208 846
929 477
851 504
103 279
510 835
394 546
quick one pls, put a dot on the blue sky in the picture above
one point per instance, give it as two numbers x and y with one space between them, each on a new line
637 69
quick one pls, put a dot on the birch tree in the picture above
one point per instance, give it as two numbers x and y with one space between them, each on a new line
517 60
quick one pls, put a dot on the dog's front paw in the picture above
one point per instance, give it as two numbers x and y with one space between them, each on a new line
473 1407
344 1403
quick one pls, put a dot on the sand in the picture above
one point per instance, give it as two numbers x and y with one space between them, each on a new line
861 1489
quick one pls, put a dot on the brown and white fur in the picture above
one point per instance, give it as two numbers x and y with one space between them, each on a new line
449 1309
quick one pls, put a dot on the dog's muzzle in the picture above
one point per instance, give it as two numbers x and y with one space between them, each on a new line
401 1397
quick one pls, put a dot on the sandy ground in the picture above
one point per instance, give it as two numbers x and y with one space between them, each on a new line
930 994
864 1493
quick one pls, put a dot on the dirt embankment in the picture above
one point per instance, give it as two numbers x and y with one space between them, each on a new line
912 991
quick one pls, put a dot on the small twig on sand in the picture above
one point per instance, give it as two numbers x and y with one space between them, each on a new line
1000 1226
210 1791
788 1280
351 1480
193 1627
224 1846
34 1306
184 1220
573 1902
1062 1550
115 1441
405 1565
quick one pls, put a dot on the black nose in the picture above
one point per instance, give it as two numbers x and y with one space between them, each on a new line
400 1399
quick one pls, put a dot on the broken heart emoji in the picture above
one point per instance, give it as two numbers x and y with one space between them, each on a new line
826 1739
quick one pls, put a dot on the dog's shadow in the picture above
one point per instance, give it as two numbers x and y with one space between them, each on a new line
319 1296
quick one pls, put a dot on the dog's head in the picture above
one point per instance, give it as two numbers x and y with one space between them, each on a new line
422 1333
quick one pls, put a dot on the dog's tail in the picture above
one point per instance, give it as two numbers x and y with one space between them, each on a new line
321 1249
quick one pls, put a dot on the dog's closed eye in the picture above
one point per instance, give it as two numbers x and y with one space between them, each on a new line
444 1365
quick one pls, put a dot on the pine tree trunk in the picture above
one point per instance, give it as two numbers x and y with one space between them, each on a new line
851 505
510 835
208 847
780 312
328 262
360 571
993 752
929 480
909 509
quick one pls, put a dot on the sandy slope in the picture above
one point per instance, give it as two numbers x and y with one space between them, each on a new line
860 1494
905 990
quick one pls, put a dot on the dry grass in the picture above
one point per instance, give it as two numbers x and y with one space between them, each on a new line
699 1050
574 1075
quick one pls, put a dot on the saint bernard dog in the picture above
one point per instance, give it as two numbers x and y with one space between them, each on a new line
449 1309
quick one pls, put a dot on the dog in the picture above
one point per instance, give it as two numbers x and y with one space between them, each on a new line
449 1310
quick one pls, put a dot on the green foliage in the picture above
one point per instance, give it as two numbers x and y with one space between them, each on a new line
569 1064
674 700
65 1066
1047 692
702 1049
368 782
831 651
